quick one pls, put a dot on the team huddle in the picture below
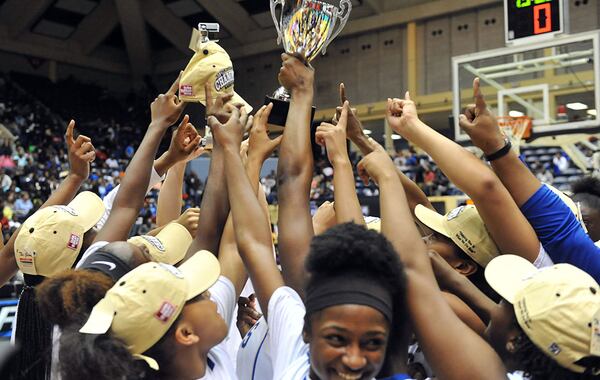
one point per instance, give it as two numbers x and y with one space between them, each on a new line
504 288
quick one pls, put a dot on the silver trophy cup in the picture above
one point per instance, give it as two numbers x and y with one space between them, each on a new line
306 28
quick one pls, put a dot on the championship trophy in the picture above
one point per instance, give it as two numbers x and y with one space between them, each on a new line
306 28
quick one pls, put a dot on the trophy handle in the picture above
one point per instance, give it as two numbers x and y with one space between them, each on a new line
274 4
344 10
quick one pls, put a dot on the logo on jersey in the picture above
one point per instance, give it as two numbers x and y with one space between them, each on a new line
165 312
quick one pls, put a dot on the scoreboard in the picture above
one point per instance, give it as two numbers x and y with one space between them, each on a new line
527 20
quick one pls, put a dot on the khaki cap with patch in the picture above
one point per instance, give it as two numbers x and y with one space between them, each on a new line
141 307
558 307
466 229
210 64
169 246
50 240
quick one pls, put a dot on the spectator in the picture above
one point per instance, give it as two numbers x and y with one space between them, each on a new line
23 206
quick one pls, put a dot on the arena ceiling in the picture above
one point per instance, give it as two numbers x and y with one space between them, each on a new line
141 37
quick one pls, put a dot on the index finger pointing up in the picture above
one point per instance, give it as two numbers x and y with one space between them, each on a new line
343 93
477 95
175 86
69 133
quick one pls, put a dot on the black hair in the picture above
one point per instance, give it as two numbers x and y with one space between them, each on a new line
34 334
587 190
106 357
539 366
353 249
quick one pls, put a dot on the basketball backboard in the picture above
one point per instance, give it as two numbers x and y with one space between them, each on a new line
555 82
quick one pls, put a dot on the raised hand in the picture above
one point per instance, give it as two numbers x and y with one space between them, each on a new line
260 146
185 142
247 314
324 218
376 165
354 127
294 75
333 137
480 124
229 135
189 219
167 108
217 107
401 113
81 153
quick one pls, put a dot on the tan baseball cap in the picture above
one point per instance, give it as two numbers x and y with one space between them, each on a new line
558 307
466 229
141 307
50 240
169 245
210 64
373 223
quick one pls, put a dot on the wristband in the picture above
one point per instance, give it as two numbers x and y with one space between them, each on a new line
501 152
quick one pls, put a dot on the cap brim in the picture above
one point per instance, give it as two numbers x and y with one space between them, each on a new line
175 240
431 219
506 273
89 208
201 271
100 318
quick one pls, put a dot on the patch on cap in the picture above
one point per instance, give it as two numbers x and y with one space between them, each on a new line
165 312
595 341
169 268
25 258
454 213
156 243
186 90
465 241
74 241
224 79
67 209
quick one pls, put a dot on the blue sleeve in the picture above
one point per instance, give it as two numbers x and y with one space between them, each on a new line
560 232
400 376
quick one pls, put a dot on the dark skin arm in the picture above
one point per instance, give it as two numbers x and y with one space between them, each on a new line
250 222
333 137
481 125
165 110
81 152
294 173
427 307
502 217
215 204
356 134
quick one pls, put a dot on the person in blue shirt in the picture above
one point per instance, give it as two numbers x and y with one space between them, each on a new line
557 228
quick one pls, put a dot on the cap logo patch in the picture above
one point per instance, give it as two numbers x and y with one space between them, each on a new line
454 213
74 241
67 209
186 90
224 79
25 258
554 349
171 269
165 312
156 243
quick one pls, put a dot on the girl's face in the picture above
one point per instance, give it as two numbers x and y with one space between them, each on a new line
201 313
501 331
347 342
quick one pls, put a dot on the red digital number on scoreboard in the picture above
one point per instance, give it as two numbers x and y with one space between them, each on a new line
542 18
528 18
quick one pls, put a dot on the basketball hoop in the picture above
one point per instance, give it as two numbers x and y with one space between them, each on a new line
516 129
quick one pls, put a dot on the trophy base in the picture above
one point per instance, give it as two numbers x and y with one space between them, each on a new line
280 110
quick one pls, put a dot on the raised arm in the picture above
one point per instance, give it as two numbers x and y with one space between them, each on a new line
333 138
427 307
169 197
165 111
252 232
554 222
294 173
80 152
505 222
355 132
215 204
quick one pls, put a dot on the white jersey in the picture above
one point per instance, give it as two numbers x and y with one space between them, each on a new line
254 354
220 364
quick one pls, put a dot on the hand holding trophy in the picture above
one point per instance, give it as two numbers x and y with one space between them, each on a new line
306 28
